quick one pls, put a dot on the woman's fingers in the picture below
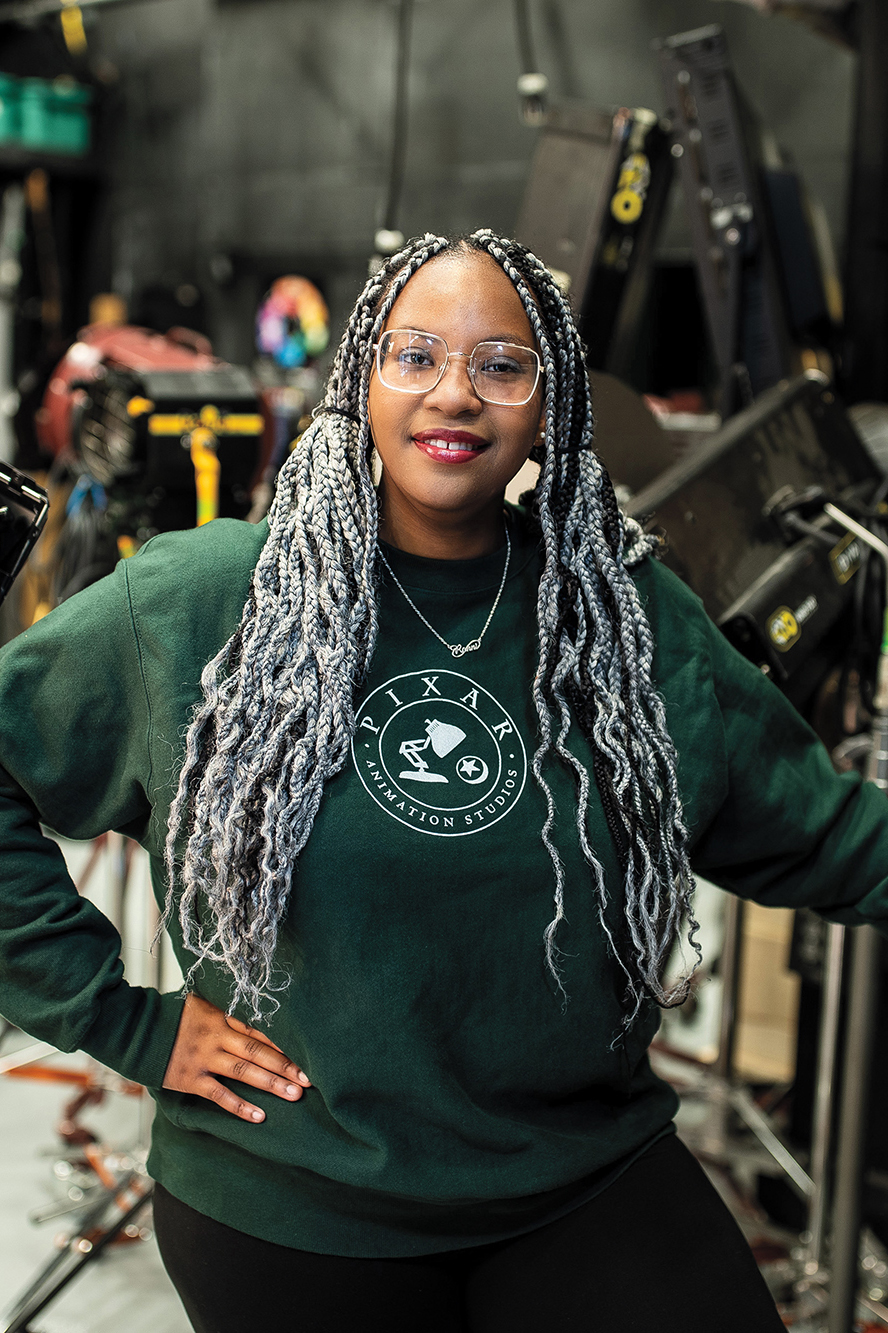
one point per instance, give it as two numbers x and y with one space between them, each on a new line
255 1076
249 1049
237 1026
227 1100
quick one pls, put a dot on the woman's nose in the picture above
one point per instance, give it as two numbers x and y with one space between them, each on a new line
455 393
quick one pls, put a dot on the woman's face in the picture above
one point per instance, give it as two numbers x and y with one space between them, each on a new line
425 489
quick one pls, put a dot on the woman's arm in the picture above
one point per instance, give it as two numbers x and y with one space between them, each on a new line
73 750
75 721
768 816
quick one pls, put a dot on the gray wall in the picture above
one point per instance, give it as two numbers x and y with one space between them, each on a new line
260 129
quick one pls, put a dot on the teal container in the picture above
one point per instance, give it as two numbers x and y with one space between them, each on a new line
10 109
34 131
69 117
55 116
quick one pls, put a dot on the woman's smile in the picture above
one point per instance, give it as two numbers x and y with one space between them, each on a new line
450 446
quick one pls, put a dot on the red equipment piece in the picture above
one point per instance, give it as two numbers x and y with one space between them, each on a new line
117 347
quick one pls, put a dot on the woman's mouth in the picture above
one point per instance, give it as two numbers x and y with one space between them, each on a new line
450 446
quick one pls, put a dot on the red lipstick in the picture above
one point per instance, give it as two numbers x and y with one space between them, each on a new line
450 446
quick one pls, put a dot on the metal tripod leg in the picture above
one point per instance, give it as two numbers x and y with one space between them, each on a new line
716 1138
852 1128
724 1095
730 971
824 1097
861 1022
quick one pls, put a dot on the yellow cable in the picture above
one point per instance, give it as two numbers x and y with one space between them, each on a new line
206 474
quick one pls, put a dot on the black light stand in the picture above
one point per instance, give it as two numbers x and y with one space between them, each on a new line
824 1096
860 1023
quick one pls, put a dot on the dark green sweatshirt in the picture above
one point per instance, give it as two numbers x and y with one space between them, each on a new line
456 1099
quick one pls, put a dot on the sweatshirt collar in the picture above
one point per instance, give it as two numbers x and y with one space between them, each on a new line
466 576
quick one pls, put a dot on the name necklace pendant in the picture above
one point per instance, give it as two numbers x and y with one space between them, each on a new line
457 649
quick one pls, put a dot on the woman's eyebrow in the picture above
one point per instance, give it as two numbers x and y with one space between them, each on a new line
515 338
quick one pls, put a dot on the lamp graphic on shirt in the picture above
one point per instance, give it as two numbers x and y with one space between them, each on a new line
442 737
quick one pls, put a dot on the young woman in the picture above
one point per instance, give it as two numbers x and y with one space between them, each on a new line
404 1090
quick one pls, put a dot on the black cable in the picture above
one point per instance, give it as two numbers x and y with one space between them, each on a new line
399 123
524 34
532 85
800 525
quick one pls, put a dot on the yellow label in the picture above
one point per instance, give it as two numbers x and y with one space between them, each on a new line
632 184
210 418
137 407
170 423
845 558
241 423
635 174
626 205
783 629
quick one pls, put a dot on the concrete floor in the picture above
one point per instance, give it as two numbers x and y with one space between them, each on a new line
126 1288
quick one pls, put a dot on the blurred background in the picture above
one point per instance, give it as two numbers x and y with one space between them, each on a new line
192 193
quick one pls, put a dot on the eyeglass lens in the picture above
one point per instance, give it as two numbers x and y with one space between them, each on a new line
414 362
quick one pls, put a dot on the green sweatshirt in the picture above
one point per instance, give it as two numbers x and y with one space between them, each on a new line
455 1098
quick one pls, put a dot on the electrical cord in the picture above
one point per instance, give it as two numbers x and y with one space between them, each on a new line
388 237
85 551
532 85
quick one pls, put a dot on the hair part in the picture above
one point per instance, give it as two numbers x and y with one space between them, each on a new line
278 715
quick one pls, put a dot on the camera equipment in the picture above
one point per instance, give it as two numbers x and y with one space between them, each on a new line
721 180
608 177
135 407
595 201
742 517
23 510
159 434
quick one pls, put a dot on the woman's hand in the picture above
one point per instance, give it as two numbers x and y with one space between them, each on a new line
209 1044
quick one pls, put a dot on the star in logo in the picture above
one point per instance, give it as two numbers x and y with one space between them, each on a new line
472 769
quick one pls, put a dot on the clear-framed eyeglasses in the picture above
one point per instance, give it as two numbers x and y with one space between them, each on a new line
412 362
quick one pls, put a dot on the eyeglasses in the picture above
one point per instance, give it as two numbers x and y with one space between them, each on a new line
412 362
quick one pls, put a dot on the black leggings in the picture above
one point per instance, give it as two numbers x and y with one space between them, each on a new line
656 1252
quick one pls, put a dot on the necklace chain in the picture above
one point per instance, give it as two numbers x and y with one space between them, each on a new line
457 649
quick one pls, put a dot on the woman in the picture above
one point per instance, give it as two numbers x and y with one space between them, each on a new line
403 1090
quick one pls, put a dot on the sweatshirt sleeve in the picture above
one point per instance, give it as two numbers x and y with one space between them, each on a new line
770 819
74 755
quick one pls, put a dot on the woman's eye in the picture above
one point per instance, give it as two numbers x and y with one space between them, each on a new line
413 358
499 365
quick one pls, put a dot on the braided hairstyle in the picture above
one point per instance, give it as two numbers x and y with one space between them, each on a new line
278 713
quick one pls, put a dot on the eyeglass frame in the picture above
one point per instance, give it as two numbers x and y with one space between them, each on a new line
494 402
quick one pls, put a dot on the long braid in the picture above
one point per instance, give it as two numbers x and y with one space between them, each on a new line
278 714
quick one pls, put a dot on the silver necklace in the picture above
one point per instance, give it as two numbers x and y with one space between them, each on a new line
457 649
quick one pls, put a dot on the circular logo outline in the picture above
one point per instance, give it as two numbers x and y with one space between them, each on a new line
372 738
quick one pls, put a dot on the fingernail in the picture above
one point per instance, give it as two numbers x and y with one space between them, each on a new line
304 1079
258 1115
292 1090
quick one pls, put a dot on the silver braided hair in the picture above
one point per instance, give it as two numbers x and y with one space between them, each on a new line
278 711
